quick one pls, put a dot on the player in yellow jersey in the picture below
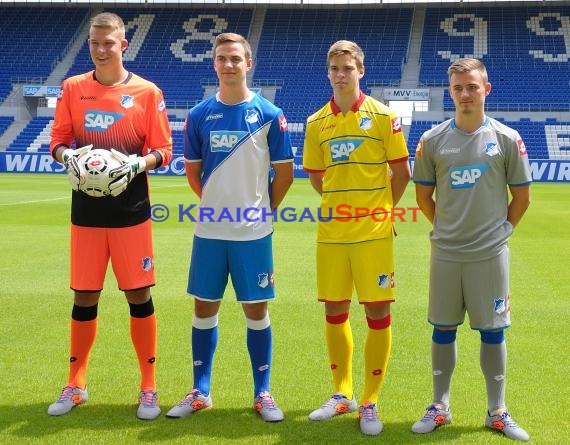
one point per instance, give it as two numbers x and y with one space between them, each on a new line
114 109
357 160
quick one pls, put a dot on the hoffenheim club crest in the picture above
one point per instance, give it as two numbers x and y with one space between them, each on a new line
127 101
251 116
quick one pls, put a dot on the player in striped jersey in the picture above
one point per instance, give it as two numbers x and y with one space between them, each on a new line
357 160
114 109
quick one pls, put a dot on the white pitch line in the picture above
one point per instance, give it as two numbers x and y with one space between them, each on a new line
67 197
33 201
168 186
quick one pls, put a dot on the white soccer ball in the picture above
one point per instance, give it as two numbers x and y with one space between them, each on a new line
96 165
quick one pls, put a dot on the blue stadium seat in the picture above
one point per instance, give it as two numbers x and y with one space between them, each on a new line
34 137
523 48
5 122
294 44
536 135
29 56
171 35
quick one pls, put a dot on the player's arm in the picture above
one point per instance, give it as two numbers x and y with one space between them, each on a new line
401 175
153 160
61 139
159 134
520 200
424 198
281 182
194 176
61 135
57 153
316 179
159 138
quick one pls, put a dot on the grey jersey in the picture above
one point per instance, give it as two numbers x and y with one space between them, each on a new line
470 172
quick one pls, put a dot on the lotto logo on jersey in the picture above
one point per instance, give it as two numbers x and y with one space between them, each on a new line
522 147
468 176
396 125
283 126
225 141
419 148
100 120
342 148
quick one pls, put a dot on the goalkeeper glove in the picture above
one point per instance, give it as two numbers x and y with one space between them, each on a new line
70 158
124 174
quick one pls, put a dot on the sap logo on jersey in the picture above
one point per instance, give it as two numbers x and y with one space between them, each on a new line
225 140
342 148
467 176
100 120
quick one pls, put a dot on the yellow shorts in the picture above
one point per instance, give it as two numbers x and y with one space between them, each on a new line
130 251
367 267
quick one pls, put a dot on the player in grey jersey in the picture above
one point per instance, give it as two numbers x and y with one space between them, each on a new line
470 162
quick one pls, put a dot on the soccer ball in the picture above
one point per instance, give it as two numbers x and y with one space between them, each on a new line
96 165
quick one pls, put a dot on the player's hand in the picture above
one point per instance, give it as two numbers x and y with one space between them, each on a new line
70 159
121 176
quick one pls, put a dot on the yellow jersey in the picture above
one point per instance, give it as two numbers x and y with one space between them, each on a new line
354 152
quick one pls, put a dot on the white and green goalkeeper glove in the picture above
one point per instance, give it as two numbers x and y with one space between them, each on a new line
121 176
71 158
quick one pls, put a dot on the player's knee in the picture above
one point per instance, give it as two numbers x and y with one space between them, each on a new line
85 299
493 337
138 296
377 311
258 325
337 309
444 336
255 311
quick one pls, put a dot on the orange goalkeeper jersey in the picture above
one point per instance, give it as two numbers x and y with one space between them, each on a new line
130 117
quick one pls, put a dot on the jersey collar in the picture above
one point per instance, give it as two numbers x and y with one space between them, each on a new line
124 82
355 107
249 98
483 125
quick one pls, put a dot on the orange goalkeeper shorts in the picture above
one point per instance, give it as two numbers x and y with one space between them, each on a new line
128 248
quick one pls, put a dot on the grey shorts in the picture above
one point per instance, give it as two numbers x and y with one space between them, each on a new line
479 288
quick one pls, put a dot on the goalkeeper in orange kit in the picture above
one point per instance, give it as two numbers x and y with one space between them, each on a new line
111 108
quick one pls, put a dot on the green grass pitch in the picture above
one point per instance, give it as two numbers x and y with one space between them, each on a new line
36 306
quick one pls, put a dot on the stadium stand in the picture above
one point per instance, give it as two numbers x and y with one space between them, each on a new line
524 48
27 57
34 137
417 128
172 47
176 125
543 139
294 43
5 122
